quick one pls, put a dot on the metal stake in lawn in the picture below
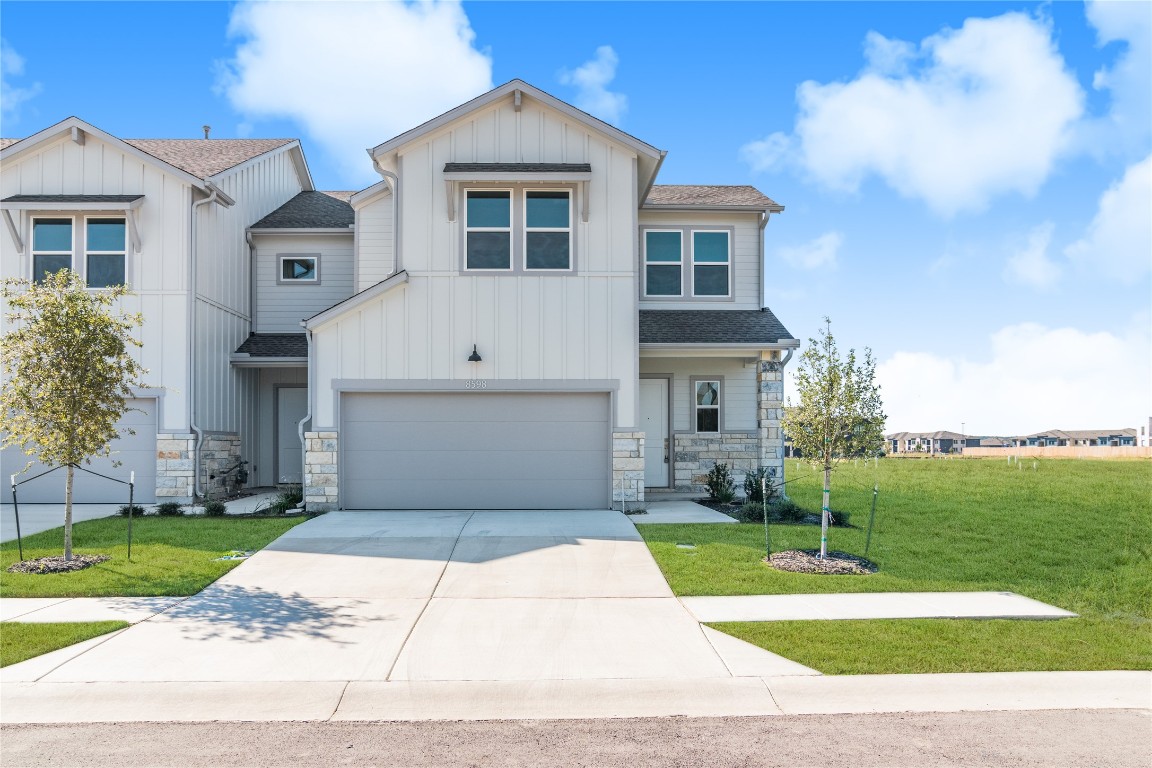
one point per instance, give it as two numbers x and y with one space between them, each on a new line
764 508
131 492
871 518
16 510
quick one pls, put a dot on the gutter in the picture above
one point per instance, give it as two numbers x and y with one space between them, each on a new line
394 182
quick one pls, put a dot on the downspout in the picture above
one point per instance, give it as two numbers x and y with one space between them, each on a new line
197 489
307 415
394 182
764 266
251 280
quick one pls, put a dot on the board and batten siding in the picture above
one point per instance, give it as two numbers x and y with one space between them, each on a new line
281 307
746 256
737 396
158 274
223 274
374 242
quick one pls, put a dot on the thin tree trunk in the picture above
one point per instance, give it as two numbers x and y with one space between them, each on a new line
68 515
825 512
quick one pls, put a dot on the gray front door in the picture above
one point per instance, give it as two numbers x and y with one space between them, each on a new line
654 422
135 453
466 450
291 406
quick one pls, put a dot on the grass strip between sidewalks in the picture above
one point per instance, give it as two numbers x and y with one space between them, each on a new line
20 641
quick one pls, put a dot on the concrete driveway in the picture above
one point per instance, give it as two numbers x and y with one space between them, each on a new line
430 596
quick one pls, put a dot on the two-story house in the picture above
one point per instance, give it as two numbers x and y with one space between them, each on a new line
515 316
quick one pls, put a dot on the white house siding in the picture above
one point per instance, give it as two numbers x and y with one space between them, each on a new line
738 390
746 255
158 274
280 308
223 275
374 241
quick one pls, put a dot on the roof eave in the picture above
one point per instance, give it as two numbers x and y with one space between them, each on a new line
354 301
301 230
242 360
730 208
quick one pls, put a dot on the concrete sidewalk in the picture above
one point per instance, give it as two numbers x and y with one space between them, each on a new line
675 511
877 605
64 609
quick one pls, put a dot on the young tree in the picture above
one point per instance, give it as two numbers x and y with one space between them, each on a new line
68 369
840 415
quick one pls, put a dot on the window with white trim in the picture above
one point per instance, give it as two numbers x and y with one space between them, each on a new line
298 269
663 263
710 263
707 398
102 241
518 229
687 262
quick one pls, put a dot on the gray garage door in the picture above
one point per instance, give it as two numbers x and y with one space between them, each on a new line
475 451
134 452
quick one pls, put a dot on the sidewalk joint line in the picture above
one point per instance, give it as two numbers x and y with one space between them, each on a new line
407 637
339 701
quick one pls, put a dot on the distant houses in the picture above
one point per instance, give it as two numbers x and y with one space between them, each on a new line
944 442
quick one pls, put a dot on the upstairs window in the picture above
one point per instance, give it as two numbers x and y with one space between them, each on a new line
299 269
56 241
710 261
489 229
663 261
547 229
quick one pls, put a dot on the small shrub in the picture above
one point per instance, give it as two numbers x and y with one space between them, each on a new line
752 485
751 512
721 487
170 509
136 510
215 508
787 511
289 498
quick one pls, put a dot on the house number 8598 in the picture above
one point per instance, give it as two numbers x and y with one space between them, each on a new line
475 384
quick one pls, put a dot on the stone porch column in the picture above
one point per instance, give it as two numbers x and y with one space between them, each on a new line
769 410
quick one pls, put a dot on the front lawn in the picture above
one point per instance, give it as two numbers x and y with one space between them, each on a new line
170 555
20 641
1075 534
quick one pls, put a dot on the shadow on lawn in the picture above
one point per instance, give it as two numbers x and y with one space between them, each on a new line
253 615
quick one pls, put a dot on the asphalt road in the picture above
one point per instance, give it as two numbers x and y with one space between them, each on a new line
1056 739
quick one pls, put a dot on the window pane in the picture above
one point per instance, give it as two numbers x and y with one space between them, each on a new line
662 246
707 393
547 250
663 280
489 250
298 269
105 269
52 235
489 209
710 281
548 209
42 265
710 246
708 420
105 234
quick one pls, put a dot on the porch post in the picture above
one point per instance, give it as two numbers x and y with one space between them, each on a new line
770 408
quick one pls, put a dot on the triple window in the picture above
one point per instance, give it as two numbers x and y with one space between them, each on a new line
687 262
511 230
93 246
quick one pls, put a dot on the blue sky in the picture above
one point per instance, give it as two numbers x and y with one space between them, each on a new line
967 185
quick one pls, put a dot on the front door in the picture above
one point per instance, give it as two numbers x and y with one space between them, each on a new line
654 422
291 406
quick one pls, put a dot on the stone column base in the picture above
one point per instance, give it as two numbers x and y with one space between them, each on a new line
321 491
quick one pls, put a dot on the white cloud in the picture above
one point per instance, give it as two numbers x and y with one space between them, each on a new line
967 115
1030 265
12 97
353 74
1128 122
1034 378
1118 243
815 254
591 80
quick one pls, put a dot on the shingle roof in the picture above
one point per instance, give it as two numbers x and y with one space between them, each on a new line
311 210
275 345
706 195
206 157
1084 434
517 168
711 326
6 142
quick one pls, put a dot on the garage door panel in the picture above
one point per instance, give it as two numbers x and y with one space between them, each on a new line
135 453
452 450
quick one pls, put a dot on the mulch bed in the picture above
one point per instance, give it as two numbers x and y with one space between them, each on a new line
807 561
57 564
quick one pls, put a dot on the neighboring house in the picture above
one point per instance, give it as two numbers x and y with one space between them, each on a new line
516 316
929 442
1061 437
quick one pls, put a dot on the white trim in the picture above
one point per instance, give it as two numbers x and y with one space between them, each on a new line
726 264
694 383
519 177
645 264
282 257
302 231
468 229
569 230
49 205
122 253
368 194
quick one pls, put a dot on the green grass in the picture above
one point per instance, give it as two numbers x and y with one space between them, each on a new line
20 641
1076 534
170 555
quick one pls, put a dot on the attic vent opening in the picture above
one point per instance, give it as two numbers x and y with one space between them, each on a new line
207 130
